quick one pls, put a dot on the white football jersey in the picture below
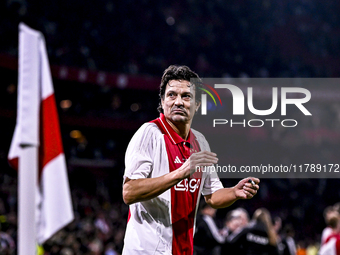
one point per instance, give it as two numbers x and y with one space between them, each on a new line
165 224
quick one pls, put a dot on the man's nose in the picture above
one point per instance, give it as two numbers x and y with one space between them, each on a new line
179 100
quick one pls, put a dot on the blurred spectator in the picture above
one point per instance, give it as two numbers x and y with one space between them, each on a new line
207 238
7 244
236 220
330 215
287 244
258 238
331 245
243 215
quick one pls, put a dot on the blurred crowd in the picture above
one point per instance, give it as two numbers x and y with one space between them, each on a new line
262 234
98 227
216 38
242 235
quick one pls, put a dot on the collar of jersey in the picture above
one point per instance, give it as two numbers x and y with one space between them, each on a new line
174 137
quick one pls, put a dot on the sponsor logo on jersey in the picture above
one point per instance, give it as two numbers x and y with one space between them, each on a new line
177 160
188 185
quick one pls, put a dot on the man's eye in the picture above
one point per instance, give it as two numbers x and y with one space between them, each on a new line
187 96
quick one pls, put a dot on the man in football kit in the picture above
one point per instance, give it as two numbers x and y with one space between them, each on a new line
160 183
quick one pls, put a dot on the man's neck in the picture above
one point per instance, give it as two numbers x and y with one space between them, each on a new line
182 130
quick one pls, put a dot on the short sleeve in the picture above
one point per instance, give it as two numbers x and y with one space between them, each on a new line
140 153
211 183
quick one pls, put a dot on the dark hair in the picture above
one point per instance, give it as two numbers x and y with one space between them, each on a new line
175 72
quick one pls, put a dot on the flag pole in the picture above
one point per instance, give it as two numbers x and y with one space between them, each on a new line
28 129
28 169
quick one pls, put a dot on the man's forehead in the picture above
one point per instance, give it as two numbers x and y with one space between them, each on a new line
182 84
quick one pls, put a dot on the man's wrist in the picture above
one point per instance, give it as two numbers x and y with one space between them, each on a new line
180 174
234 192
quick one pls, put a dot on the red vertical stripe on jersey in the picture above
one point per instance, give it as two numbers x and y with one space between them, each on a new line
184 195
129 216
337 247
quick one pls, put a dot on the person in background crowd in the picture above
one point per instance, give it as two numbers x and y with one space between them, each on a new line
331 245
287 244
243 215
7 245
236 220
258 238
207 239
330 212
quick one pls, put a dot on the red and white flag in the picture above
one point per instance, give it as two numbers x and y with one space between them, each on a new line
38 126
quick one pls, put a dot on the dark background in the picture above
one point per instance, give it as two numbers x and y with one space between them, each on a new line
107 58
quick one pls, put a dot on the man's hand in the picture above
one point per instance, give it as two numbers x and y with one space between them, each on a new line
245 189
198 159
148 188
227 196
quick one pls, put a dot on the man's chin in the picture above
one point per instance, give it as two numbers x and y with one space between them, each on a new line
179 118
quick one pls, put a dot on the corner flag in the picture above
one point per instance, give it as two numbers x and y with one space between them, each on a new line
36 150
